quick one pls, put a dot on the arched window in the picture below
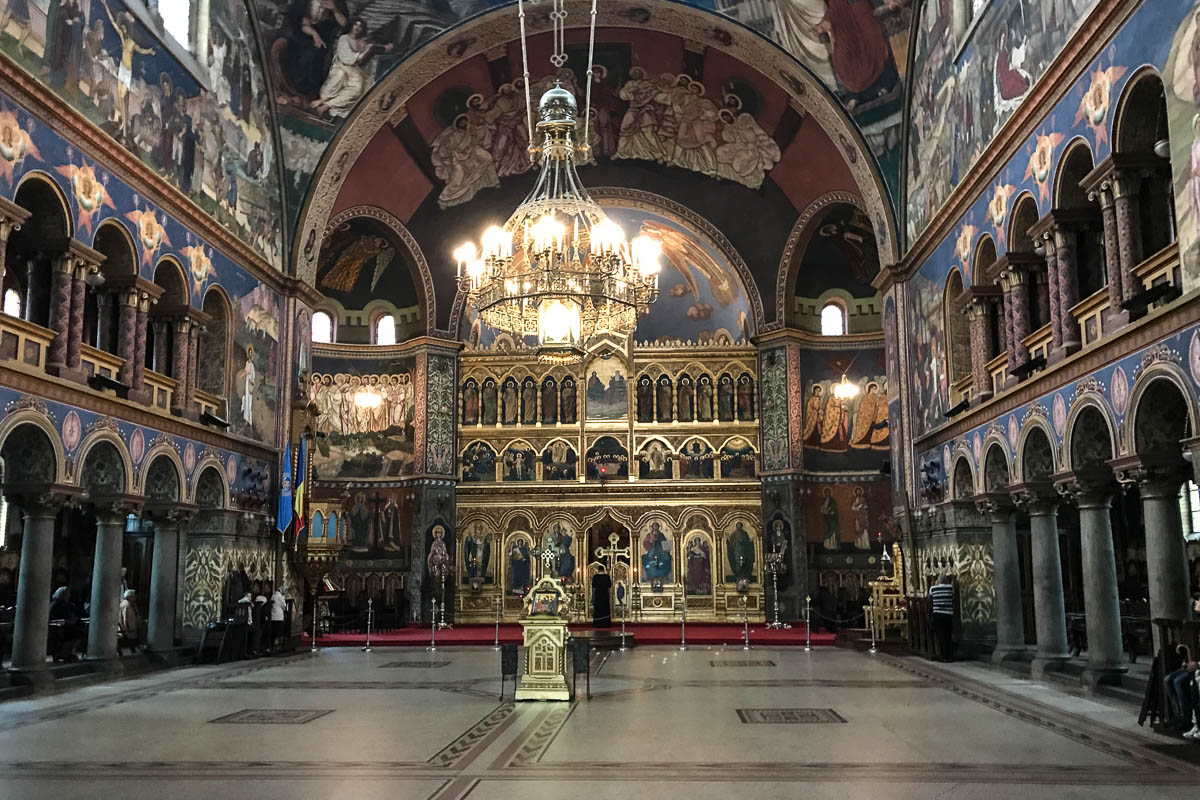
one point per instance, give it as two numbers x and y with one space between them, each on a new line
322 327
959 345
12 302
385 329
833 320
211 371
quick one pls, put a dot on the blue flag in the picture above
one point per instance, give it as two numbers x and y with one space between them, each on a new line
283 517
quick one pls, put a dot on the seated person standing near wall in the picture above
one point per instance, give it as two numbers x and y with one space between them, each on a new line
941 595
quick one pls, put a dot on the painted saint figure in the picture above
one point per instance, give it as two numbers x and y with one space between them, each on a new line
699 566
656 558
478 552
829 519
438 561
860 510
249 380
740 553
347 81
518 566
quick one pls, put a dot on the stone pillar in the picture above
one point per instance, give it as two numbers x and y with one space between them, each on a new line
1066 246
8 226
160 628
106 583
78 301
1102 607
1049 608
981 380
1010 625
127 335
1126 186
1115 316
60 313
1006 314
31 623
1041 295
33 285
1166 560
1018 286
179 365
139 343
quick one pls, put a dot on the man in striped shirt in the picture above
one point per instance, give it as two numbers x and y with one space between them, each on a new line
941 595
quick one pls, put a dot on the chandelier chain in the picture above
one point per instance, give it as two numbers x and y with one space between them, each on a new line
525 66
587 101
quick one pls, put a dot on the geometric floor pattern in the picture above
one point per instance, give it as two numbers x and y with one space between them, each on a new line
660 722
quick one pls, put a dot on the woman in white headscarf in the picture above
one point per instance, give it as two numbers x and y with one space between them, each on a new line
127 620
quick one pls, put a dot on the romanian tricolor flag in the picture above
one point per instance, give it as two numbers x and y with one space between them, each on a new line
301 486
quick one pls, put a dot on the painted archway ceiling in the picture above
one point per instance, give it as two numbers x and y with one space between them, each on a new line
756 169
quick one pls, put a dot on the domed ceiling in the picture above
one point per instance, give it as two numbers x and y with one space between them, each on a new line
692 117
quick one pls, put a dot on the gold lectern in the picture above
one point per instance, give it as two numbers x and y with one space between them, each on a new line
544 622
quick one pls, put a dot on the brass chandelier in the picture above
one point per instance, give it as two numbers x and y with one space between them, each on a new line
559 269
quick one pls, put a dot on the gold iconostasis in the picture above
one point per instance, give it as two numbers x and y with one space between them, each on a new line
642 465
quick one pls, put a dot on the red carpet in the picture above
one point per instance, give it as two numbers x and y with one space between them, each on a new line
644 633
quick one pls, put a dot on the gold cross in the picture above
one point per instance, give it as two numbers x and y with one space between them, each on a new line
612 552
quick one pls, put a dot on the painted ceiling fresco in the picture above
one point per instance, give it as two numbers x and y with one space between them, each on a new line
361 261
324 56
205 126
964 88
1077 115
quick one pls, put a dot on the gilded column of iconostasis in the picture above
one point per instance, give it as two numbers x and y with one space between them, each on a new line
653 441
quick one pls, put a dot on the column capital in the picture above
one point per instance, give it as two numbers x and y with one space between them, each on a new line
111 507
1087 487
41 499
996 506
1037 498
1125 182
1155 474
169 512
12 216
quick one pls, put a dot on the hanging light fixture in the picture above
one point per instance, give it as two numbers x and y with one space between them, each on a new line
845 390
559 269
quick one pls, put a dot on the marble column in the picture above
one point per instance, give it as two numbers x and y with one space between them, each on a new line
1018 286
1102 607
1126 186
1050 615
1052 291
981 380
106 584
1040 290
60 313
1006 313
32 618
160 630
8 226
139 344
181 342
127 335
1066 246
78 300
34 289
1115 315
1006 560
1166 559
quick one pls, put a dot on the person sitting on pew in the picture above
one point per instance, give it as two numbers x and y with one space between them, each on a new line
65 630
127 622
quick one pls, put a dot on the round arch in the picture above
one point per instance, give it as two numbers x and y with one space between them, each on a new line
1024 213
1036 427
418 265
997 469
484 32
958 338
982 259
210 478
212 373
35 419
1073 165
162 451
171 276
962 479
114 241
89 443
1136 127
39 181
1152 375
804 229
1083 445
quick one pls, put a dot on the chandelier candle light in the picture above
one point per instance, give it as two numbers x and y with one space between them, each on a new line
559 269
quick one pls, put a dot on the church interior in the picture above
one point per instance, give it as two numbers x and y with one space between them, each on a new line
537 396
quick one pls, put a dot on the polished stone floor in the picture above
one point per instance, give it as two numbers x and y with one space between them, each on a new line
708 723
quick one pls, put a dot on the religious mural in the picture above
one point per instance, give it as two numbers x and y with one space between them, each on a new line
478 463
966 86
377 523
656 562
1181 80
845 433
364 420
857 48
697 575
847 514
607 392
204 126
739 555
841 254
362 260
